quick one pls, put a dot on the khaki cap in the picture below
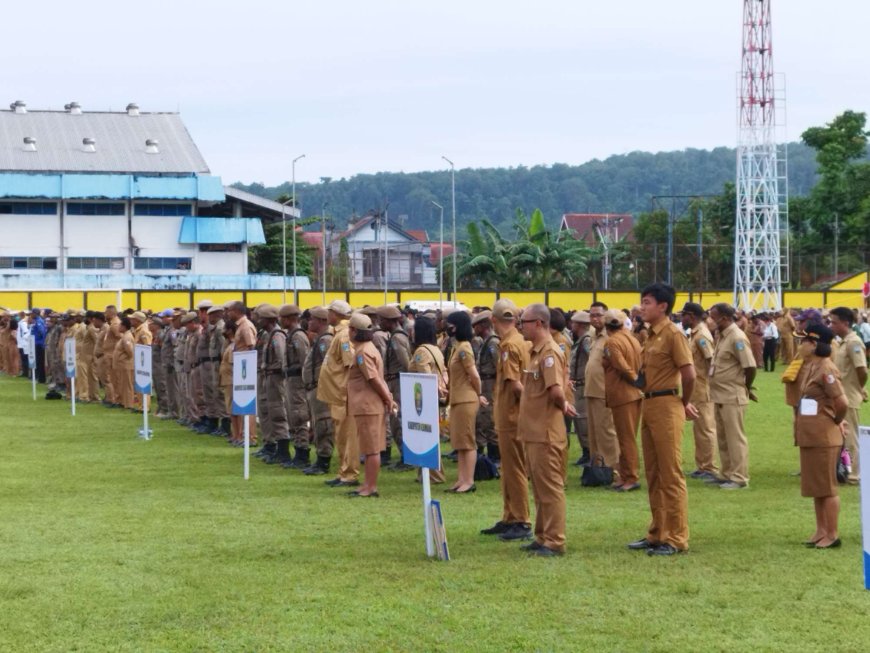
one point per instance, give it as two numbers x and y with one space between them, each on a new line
205 303
340 306
156 319
320 312
371 311
614 317
216 309
189 317
580 317
481 317
229 303
360 321
289 310
504 309
389 312
268 312
138 315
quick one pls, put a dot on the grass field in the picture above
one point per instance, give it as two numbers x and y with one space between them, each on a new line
110 543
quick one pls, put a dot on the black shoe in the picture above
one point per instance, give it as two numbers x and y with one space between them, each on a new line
499 528
546 552
318 468
833 545
531 546
347 484
584 460
386 456
356 495
664 550
641 545
333 482
471 488
516 532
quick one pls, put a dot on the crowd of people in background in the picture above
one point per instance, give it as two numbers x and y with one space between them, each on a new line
514 385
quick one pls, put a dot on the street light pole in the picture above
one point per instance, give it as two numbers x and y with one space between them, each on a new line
386 217
453 202
295 214
284 253
323 238
440 258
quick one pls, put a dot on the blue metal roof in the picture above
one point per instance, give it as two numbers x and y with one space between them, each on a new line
211 231
206 188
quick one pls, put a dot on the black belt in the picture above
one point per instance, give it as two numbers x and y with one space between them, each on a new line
293 374
311 386
661 393
487 377
215 359
273 372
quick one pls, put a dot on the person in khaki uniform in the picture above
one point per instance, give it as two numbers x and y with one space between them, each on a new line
98 322
602 433
245 339
297 402
368 398
141 336
541 426
486 361
577 377
667 365
123 364
219 421
322 428
225 374
79 330
704 426
397 359
851 360
112 336
428 359
733 371
465 399
273 366
90 336
787 328
332 389
621 368
158 378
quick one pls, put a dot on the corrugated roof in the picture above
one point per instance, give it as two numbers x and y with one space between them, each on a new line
263 202
120 143
215 231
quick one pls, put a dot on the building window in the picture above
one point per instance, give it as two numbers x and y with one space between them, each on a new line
222 247
28 208
94 208
28 263
161 263
94 263
162 209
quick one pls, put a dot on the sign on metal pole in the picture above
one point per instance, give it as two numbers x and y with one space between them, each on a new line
420 439
245 396
142 383
864 457
31 361
70 355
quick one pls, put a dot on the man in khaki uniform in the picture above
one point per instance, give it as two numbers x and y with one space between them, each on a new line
602 433
332 389
78 330
215 406
298 414
487 362
90 333
541 426
397 360
513 361
321 418
244 340
113 335
577 376
158 377
704 426
787 328
621 369
851 359
730 391
667 365
273 366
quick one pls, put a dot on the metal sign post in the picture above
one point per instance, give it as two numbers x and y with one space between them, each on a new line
245 396
31 360
70 353
142 384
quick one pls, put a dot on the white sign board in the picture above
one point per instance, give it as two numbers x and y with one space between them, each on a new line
245 382
864 457
142 369
420 433
70 354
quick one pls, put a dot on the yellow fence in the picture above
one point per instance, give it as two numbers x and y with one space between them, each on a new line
157 300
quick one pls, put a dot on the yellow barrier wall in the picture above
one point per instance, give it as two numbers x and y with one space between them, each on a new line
371 297
99 299
59 300
472 298
570 301
521 298
803 299
15 300
220 297
853 299
157 300
855 282
616 299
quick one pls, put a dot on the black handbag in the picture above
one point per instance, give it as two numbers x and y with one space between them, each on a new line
842 467
597 474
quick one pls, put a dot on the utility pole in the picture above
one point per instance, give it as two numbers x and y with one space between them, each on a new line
295 216
386 216
836 244
323 238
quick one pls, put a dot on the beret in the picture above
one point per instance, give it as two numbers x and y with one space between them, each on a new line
614 317
389 312
187 318
320 312
138 315
216 309
205 303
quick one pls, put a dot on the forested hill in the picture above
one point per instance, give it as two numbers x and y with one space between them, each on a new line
622 183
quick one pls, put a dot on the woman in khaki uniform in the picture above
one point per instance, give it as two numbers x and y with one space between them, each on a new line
225 378
464 400
428 359
123 365
819 432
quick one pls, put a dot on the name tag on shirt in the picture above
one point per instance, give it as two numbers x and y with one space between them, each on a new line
809 407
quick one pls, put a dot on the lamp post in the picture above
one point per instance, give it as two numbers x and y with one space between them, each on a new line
453 202
284 253
295 214
386 249
323 242
440 257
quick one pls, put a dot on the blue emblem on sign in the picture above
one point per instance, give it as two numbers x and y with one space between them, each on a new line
244 369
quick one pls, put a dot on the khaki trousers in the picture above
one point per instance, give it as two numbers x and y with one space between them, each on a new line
852 421
514 478
546 471
83 376
346 443
704 430
733 447
661 434
93 381
602 432
625 419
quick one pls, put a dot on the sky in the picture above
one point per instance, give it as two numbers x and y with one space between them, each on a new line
363 87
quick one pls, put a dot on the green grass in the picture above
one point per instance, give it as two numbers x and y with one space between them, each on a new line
109 543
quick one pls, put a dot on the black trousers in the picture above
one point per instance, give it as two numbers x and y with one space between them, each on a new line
40 363
25 367
769 354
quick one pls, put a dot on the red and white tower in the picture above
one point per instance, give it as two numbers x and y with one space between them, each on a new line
762 189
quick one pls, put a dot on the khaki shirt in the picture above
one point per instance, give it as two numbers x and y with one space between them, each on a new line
513 360
141 335
332 382
314 359
398 355
123 354
702 355
621 366
297 351
459 370
274 352
428 359
113 335
246 335
540 420
731 356
849 357
820 381
665 352
225 371
362 399
595 365
487 358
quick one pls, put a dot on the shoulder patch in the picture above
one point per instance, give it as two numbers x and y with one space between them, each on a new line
857 349
549 361
562 347
493 349
829 379
702 342
504 355
419 358
345 346
740 346
607 352
461 354
322 347
587 347
360 360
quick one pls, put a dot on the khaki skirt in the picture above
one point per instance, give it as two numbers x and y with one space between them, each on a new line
819 471
463 418
371 433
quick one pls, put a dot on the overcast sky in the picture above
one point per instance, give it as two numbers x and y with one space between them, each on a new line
391 86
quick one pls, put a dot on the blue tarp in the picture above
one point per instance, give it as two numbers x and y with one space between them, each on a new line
206 188
213 231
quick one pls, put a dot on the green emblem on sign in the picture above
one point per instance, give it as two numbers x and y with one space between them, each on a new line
418 398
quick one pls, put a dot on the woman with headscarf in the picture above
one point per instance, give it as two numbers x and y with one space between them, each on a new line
819 432
465 398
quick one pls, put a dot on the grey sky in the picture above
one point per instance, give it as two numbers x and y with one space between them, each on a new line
393 85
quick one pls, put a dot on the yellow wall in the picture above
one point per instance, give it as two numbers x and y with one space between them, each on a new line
803 299
14 300
257 297
520 298
570 301
855 282
98 300
849 299
615 299
475 298
158 300
359 298
60 300
219 297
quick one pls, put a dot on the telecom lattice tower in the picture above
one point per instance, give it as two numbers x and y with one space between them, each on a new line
762 187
